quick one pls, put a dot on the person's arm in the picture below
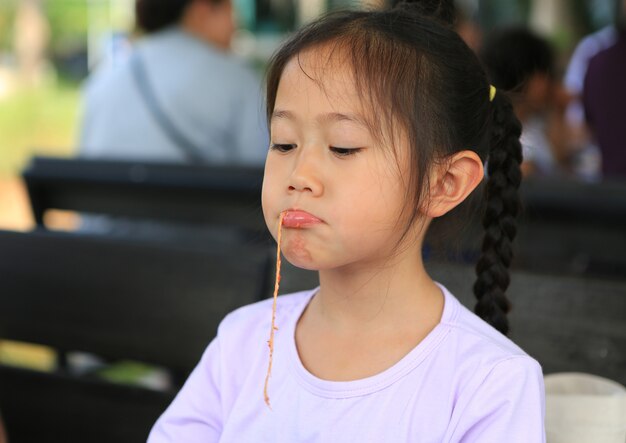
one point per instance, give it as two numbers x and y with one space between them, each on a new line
508 406
195 415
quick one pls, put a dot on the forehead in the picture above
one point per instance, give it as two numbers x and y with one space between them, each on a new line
323 80
322 75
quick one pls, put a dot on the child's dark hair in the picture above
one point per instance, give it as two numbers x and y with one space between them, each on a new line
155 15
512 55
415 70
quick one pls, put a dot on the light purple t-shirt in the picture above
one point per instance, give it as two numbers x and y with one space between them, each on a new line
465 382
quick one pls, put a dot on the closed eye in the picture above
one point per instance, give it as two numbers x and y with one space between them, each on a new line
344 152
282 147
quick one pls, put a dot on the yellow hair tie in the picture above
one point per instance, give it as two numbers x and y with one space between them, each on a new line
492 92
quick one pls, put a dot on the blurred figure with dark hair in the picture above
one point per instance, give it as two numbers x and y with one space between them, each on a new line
181 96
604 99
522 63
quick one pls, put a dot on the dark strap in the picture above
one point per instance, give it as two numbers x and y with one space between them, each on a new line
192 153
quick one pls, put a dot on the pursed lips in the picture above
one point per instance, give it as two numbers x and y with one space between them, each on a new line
297 218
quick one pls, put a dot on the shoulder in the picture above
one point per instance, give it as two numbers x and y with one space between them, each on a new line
609 57
497 387
584 51
479 343
207 68
594 43
505 403
176 41
240 75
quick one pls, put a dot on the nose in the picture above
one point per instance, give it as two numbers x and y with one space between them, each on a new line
306 174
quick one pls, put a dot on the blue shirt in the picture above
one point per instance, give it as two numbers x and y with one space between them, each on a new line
210 96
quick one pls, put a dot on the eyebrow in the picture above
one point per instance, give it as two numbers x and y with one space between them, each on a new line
324 118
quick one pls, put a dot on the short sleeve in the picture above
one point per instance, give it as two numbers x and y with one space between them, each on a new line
195 415
509 405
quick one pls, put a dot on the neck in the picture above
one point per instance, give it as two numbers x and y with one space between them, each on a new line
378 296
191 27
197 22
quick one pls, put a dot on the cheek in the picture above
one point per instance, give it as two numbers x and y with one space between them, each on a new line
376 203
372 213
365 224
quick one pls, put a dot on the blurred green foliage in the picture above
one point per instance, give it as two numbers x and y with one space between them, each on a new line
41 120
69 21
7 14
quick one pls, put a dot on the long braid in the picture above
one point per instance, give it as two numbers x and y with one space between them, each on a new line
503 205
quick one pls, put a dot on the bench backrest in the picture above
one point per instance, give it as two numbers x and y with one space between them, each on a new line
168 192
153 303
565 227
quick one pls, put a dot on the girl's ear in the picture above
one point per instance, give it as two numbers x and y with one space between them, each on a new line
452 181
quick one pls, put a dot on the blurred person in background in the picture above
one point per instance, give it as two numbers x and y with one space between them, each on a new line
587 161
604 100
181 96
522 63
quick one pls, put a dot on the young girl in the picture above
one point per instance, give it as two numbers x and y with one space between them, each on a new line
380 122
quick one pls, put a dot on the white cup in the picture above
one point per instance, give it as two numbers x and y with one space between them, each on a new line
584 408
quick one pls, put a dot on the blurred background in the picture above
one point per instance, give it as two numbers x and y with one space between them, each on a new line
49 47
170 239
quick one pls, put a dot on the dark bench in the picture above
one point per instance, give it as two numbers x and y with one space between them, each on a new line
566 227
120 300
568 323
205 195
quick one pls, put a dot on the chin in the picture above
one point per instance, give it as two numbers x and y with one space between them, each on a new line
305 266
300 259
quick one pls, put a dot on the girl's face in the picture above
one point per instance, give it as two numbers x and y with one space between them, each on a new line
343 191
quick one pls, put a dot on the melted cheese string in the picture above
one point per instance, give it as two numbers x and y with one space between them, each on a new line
270 342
